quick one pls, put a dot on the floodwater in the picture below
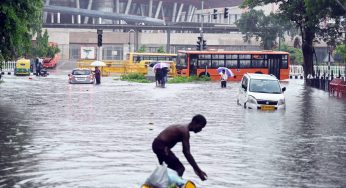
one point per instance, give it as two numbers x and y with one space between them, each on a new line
53 134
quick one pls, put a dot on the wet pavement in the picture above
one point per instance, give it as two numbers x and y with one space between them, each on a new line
53 134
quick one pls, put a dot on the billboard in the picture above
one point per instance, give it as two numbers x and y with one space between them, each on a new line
87 53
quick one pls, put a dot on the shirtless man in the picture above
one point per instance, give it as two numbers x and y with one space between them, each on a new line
172 135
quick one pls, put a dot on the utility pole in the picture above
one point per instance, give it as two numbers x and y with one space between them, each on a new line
201 43
201 30
99 44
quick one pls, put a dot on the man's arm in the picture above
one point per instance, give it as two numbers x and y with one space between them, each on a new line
189 157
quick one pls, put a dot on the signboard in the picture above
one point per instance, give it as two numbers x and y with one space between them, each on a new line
87 53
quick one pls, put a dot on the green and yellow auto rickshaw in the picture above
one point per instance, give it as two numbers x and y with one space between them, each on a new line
22 67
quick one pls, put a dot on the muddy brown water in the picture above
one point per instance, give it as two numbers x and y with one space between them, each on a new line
53 134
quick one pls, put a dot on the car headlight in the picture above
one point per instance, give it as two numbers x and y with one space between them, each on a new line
252 100
281 102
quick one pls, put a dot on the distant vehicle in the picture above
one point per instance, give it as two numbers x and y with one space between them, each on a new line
201 63
49 62
261 91
81 76
22 67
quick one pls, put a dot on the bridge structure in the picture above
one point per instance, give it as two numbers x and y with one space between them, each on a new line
142 17
134 12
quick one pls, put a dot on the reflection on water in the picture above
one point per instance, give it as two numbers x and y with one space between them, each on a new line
53 134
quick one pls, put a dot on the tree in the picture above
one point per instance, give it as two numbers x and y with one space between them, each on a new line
295 53
161 50
19 21
341 50
264 28
142 48
308 16
41 47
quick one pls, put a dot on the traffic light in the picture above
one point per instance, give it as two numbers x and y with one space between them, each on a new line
204 45
215 14
99 40
225 13
199 43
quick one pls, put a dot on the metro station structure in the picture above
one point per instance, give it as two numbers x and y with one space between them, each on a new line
128 25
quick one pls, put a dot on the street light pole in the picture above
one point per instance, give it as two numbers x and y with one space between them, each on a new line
202 17
131 31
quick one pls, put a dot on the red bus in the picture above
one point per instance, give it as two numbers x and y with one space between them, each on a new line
239 62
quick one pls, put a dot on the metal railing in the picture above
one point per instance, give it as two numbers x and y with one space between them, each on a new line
321 70
8 66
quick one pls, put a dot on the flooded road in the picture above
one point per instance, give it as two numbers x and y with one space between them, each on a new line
53 134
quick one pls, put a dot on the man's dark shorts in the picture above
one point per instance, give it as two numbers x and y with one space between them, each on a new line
164 154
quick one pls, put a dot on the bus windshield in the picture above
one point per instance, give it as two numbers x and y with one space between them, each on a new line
181 63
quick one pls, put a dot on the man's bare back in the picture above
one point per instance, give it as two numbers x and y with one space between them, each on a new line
174 134
169 137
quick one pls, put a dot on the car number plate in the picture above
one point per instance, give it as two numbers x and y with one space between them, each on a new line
267 107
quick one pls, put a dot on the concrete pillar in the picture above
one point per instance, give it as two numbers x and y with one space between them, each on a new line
58 17
79 19
159 6
150 11
192 13
128 6
174 12
52 17
179 12
86 19
72 17
45 13
168 45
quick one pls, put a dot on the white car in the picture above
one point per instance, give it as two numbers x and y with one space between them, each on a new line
261 91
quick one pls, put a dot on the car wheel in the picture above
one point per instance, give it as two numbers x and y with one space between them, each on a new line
245 105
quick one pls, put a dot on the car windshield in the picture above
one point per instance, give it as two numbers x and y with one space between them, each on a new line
265 86
81 72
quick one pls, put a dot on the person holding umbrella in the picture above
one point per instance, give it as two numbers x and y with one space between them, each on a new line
224 78
97 75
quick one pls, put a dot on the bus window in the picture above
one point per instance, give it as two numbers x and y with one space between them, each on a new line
204 56
231 63
258 61
218 63
202 63
284 62
244 60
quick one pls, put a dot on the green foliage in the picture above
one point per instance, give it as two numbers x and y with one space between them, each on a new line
185 79
341 50
19 21
142 49
255 24
310 17
42 48
161 50
135 77
295 53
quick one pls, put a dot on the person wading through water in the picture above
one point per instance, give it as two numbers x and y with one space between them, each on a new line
170 136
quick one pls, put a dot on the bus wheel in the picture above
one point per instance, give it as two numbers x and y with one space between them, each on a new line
203 74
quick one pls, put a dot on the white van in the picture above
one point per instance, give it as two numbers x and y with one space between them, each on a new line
261 91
